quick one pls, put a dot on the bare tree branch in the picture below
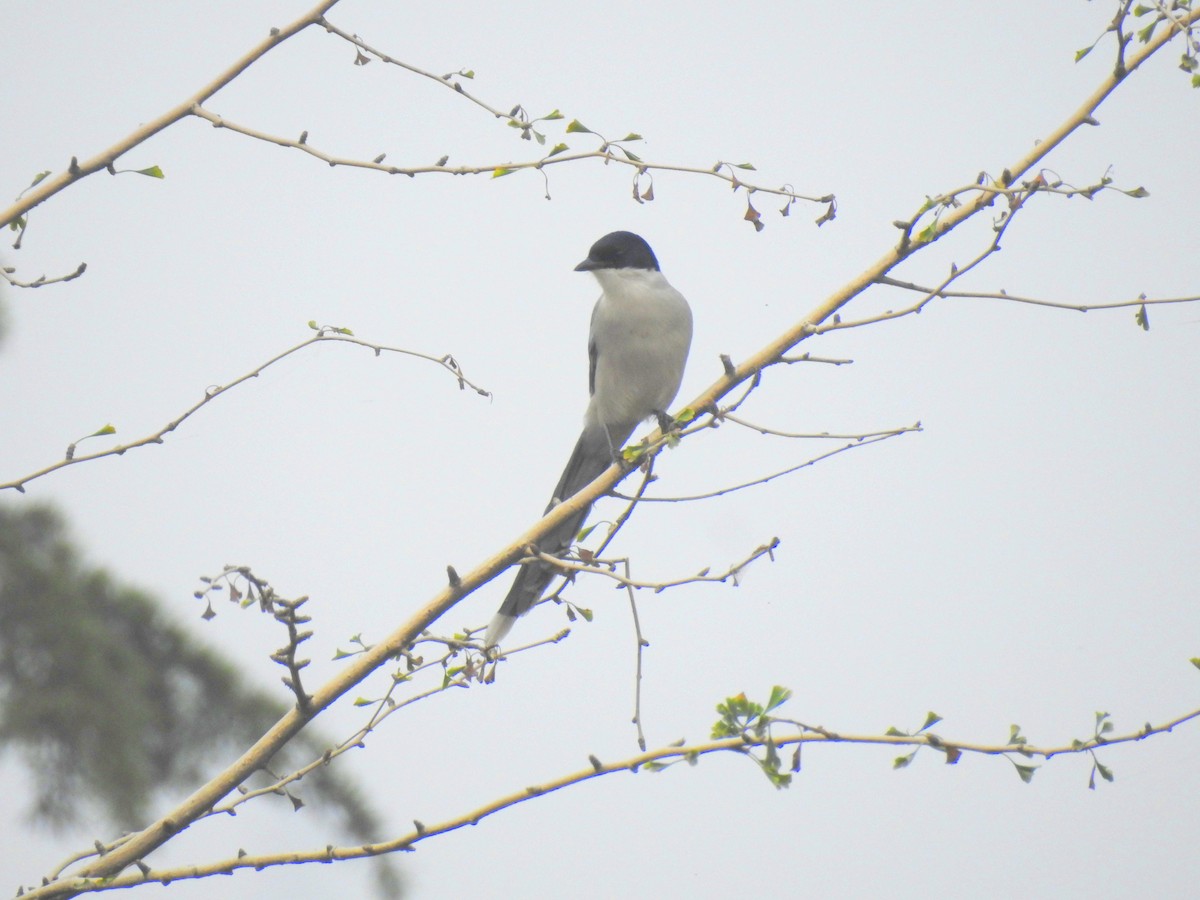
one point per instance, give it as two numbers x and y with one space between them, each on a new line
1142 300
324 335
8 272
104 160
605 154
653 759
607 568
858 442
818 435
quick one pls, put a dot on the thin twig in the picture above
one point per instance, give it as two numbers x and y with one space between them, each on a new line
607 569
447 362
288 614
451 80
819 435
604 154
642 644
1037 301
683 498
7 274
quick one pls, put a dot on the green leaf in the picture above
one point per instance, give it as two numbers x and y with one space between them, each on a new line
583 533
1146 33
558 148
1195 661
153 172
577 127
362 701
1196 81
772 756
1014 735
1105 772
1026 772
501 171
1080 54
747 166
1139 10
107 429
632 136
893 731
470 73
781 780
586 613
37 179
931 719
779 696
901 762
550 117
312 323
1137 193
685 416
632 157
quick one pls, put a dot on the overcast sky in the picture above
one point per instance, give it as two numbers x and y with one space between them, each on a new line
1030 557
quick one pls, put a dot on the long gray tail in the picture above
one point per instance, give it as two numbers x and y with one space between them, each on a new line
592 455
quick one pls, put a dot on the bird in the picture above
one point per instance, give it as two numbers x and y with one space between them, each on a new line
638 343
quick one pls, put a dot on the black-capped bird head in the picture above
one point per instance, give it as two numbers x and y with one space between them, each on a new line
619 250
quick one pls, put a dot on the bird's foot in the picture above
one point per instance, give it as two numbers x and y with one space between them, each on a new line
666 422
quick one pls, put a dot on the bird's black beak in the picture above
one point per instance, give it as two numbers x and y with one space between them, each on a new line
588 265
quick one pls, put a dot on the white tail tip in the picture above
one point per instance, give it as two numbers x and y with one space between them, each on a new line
498 629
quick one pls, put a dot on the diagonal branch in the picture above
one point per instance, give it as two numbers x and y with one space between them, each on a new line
78 170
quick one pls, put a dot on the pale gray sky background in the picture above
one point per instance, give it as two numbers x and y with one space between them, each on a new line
1029 558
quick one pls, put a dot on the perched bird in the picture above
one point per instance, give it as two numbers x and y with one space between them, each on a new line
637 348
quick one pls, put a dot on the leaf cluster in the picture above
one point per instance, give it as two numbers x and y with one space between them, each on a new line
745 718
